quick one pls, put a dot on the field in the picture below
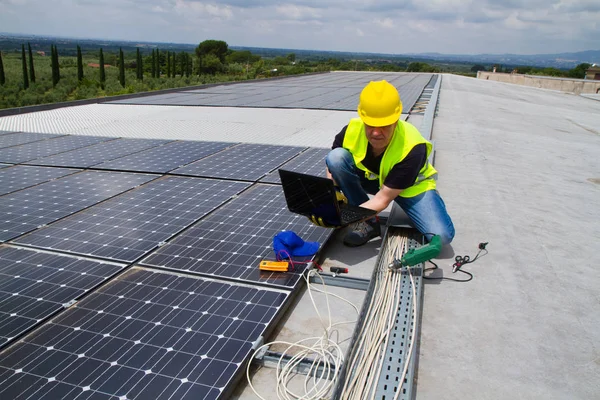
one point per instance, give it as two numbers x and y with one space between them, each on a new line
68 88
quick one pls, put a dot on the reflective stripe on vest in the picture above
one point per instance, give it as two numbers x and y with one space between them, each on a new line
404 139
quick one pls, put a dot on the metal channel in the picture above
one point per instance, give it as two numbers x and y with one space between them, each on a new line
427 124
406 329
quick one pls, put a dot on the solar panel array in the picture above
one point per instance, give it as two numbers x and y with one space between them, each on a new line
310 162
145 335
334 91
232 241
34 285
26 210
248 162
20 176
137 277
128 226
165 158
43 148
98 153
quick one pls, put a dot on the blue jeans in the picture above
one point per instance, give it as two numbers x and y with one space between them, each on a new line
426 211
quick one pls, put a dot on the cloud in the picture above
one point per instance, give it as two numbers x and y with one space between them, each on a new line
386 26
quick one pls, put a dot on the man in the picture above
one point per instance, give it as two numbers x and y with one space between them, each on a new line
381 155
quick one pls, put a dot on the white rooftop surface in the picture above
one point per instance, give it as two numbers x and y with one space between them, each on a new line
519 168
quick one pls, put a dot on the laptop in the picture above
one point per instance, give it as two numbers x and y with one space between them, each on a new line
314 195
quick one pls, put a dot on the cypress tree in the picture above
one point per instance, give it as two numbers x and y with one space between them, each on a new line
157 63
174 64
138 64
102 72
31 69
55 66
153 69
182 58
79 64
121 67
168 64
2 76
24 62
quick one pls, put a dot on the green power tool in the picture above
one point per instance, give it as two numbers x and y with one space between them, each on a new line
420 255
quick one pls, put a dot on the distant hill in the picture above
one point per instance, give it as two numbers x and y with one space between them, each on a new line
12 42
559 60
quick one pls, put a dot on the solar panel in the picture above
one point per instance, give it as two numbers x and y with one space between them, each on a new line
27 209
246 161
16 139
34 285
311 162
165 158
31 151
7 132
98 153
19 177
145 335
128 226
232 241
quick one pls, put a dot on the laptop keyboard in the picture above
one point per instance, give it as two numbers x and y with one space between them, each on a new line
351 215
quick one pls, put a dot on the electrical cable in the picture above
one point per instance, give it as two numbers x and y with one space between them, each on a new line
459 261
327 355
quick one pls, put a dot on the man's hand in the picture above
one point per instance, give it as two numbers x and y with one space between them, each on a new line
341 198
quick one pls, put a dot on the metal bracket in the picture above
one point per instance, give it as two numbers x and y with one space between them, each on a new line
342 281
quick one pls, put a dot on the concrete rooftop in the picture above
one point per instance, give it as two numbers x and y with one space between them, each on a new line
519 168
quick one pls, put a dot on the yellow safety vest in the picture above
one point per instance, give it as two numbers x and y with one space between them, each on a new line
404 139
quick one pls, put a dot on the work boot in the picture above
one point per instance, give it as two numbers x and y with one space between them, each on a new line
362 232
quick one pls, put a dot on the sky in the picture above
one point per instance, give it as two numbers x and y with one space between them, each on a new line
372 26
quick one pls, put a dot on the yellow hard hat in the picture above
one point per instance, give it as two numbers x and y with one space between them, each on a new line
379 104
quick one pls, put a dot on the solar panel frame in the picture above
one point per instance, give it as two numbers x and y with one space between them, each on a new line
19 177
35 285
130 225
230 243
165 158
244 162
28 209
310 162
146 334
43 148
98 153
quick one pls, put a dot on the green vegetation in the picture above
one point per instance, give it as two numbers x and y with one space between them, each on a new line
31 68
24 64
91 71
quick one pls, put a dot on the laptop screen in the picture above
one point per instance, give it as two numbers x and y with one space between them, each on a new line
310 195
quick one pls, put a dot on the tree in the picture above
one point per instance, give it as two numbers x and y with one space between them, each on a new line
210 64
174 65
157 63
211 56
153 69
2 76
183 59
24 63
79 64
121 67
579 71
31 69
55 66
477 68
291 57
139 70
102 72
168 64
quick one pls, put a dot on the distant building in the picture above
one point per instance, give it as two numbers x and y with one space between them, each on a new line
41 53
593 73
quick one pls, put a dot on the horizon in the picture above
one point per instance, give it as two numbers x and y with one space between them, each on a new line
456 27
16 34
